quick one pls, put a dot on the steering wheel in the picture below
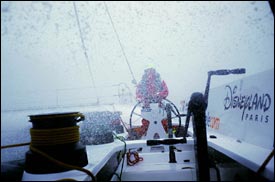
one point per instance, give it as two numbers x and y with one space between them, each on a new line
136 112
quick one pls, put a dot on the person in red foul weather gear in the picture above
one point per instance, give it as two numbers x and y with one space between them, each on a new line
151 89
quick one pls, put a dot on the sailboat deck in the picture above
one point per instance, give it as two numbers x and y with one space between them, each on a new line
249 155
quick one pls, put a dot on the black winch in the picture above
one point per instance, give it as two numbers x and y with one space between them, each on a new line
56 136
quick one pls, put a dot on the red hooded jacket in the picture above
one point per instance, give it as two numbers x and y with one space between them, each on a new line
151 88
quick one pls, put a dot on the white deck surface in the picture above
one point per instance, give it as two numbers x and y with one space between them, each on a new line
251 156
98 155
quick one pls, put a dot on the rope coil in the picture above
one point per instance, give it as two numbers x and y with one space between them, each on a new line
57 136
137 158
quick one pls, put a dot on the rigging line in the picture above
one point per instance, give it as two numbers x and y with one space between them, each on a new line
123 51
85 51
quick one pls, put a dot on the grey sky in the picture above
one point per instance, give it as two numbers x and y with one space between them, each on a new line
43 63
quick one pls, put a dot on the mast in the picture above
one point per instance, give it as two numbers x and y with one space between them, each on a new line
85 51
120 44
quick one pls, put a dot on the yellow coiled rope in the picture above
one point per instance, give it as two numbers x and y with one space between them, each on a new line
57 136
